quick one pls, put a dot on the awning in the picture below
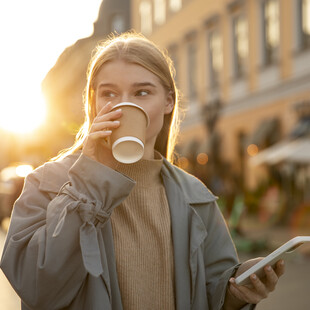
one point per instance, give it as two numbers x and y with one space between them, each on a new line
267 130
294 151
302 128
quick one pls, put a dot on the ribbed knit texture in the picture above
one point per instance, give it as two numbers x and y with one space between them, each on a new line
142 240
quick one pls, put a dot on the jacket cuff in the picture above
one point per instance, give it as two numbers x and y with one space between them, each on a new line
223 282
95 190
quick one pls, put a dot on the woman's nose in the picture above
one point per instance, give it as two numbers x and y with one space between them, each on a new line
125 98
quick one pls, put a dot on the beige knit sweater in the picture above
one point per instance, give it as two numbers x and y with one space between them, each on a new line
142 239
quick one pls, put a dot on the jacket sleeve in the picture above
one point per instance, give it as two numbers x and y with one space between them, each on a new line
221 260
52 243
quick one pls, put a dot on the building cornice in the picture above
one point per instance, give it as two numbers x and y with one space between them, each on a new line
263 97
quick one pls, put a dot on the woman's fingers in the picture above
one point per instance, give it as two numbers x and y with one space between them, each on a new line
104 126
96 145
105 122
273 275
105 109
108 116
102 130
259 288
244 293
271 278
280 268
100 134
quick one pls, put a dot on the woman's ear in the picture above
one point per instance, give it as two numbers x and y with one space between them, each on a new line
169 103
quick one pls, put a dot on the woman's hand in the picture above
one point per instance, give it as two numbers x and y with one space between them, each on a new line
96 144
239 295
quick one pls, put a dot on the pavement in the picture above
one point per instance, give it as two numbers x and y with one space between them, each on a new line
292 292
8 298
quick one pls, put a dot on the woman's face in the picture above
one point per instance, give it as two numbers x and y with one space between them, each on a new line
120 81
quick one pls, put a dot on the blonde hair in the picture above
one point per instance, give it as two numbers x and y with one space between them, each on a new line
132 48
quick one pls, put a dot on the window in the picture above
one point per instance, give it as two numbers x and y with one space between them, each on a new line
175 5
145 11
302 25
216 56
240 44
271 30
305 23
192 70
118 23
159 11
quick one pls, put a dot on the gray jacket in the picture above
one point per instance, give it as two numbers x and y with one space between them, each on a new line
59 249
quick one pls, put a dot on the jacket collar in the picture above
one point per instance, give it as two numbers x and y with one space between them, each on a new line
188 229
193 190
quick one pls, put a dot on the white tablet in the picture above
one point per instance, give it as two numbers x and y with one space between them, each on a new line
271 259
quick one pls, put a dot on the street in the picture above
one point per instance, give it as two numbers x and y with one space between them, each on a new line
292 291
8 298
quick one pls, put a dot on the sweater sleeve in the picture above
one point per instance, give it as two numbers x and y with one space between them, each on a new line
52 243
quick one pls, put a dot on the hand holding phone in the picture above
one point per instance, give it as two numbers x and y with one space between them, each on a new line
271 259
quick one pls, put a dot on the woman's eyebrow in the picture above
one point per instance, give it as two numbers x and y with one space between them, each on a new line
106 85
143 84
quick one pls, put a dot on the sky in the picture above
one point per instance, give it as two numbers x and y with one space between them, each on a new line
33 33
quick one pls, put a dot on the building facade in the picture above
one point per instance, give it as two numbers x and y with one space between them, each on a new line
242 66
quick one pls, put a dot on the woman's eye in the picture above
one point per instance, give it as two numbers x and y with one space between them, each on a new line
142 92
108 94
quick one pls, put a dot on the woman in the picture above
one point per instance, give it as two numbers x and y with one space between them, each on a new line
91 233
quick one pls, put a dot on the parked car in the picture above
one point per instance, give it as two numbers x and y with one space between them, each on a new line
11 185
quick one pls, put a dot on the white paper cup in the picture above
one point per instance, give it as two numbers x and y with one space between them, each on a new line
128 139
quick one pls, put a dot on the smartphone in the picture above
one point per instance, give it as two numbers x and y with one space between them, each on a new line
271 259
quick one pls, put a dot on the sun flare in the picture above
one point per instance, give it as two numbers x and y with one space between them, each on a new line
31 48
22 114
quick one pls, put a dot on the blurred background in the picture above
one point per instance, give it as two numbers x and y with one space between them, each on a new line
243 68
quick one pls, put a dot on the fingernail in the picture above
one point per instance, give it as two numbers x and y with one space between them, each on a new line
253 276
268 268
232 280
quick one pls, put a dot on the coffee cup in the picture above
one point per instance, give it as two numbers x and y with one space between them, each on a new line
128 139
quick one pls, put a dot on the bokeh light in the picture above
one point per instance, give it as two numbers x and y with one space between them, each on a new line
202 159
252 149
183 162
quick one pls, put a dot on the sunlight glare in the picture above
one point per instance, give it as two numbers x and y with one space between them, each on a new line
22 113
23 170
31 48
